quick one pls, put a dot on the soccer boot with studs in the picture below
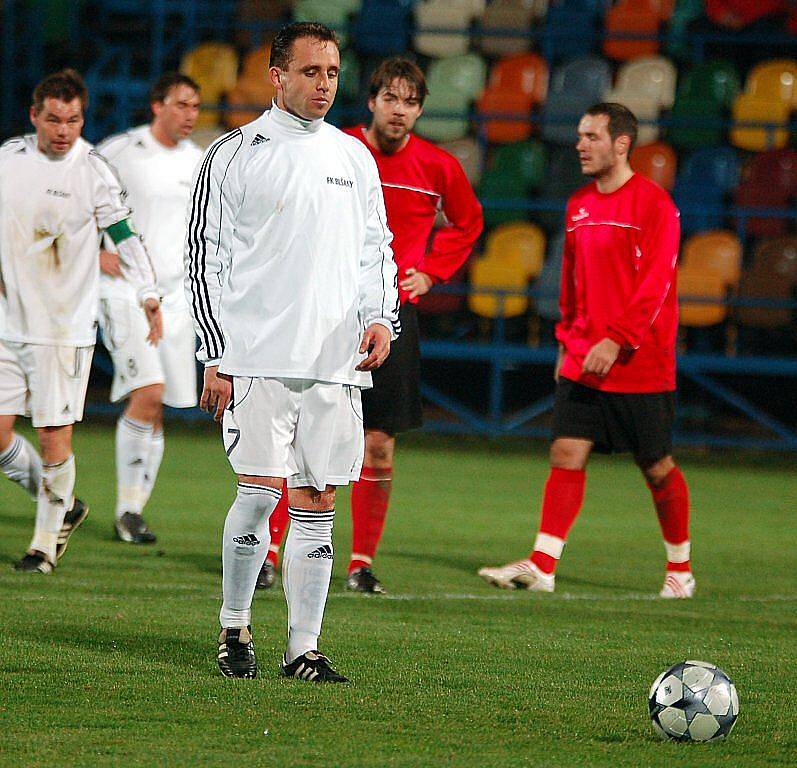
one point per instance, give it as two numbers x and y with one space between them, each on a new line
267 576
312 666
522 574
236 654
72 520
678 585
34 562
363 580
132 528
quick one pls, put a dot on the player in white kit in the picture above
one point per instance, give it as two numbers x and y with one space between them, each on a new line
292 286
56 195
156 163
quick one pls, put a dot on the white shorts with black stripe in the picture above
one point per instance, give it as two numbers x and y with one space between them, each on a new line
309 432
46 383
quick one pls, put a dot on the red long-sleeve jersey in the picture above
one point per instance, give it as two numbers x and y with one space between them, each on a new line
619 281
417 181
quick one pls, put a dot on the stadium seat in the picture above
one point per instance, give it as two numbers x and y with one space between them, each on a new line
248 100
712 168
627 18
502 15
495 184
649 77
526 160
716 81
569 29
774 81
442 14
778 256
334 13
761 284
656 161
518 245
736 14
525 73
469 153
547 286
516 126
562 179
250 14
776 167
646 111
382 27
760 193
445 116
701 284
466 74
487 273
214 66
747 108
684 13
349 85
717 251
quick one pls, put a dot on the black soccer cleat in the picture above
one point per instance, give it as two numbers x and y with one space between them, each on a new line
363 580
236 655
131 528
312 666
72 520
266 577
34 562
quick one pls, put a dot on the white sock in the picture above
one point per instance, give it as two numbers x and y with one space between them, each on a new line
156 446
243 549
306 571
54 499
21 464
133 441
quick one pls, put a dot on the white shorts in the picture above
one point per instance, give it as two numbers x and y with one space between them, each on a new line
137 363
46 383
306 431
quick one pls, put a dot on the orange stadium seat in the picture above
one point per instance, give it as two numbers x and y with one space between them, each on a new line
215 67
525 73
517 245
500 130
629 18
701 284
252 89
657 161
716 251
491 274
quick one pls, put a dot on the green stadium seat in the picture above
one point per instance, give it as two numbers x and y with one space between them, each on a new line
526 159
495 184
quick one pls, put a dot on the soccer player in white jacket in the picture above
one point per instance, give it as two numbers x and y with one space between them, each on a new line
292 284
156 163
56 195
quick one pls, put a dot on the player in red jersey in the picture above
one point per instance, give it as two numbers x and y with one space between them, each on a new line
418 180
616 367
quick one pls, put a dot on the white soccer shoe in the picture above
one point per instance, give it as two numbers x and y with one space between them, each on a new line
522 574
678 585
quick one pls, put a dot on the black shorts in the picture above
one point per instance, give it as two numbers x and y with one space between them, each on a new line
616 422
394 403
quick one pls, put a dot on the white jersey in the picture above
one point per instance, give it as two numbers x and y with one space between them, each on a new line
51 214
158 184
288 253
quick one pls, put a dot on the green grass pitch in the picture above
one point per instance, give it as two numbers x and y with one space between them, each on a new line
111 660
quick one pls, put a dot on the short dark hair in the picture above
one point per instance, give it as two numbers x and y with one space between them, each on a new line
282 45
398 68
168 80
622 121
65 85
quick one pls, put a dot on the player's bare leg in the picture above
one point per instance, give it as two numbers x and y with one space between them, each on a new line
306 571
139 450
671 499
370 497
562 499
244 546
55 498
19 460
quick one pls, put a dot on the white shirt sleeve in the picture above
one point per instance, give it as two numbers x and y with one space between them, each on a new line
211 220
110 209
379 298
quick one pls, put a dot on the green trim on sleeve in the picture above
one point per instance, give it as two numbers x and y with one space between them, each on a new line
120 231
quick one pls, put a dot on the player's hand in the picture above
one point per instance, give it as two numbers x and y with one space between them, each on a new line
109 264
376 342
601 357
560 358
416 283
152 309
216 392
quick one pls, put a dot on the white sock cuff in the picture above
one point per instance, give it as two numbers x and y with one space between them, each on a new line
138 428
313 517
678 553
549 545
11 453
250 489
59 479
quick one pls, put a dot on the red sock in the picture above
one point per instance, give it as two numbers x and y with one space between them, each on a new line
671 498
561 503
369 499
277 524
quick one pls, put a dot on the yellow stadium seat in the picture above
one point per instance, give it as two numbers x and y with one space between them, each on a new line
702 284
215 67
492 274
715 251
774 81
749 108
520 246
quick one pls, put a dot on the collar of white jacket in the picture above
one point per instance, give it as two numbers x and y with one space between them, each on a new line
292 123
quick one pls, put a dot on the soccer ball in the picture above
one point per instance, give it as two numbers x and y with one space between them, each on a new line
693 701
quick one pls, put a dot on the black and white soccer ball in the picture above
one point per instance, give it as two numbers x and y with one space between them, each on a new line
693 701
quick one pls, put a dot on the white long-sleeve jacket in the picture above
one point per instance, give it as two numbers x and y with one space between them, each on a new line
287 253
